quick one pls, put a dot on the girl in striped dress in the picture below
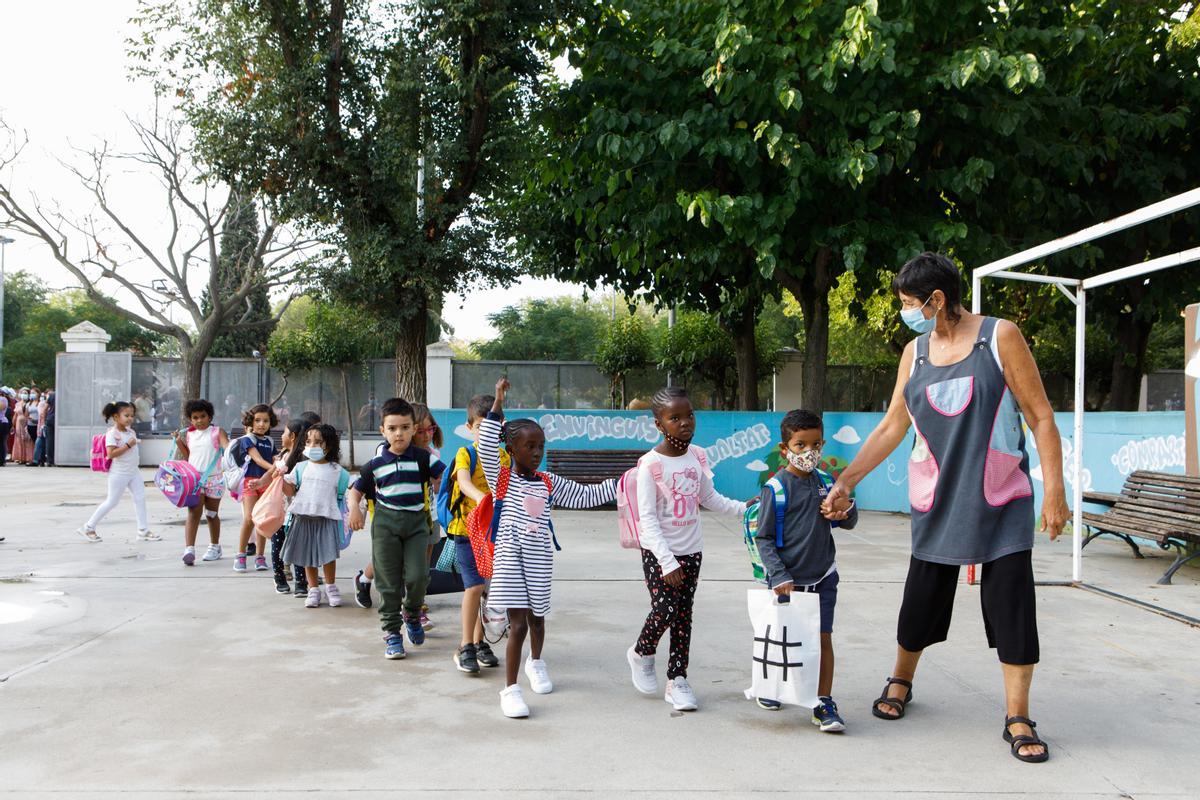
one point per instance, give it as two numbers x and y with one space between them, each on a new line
524 559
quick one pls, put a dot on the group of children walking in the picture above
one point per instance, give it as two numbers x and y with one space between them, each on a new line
398 486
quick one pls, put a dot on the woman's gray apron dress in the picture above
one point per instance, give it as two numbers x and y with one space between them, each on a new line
968 475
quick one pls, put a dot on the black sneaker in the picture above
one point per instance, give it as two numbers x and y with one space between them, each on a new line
281 585
251 549
465 660
362 591
301 587
485 656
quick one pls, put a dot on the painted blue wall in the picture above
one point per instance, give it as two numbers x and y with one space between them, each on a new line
743 451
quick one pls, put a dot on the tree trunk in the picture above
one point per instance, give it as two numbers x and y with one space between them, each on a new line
1129 360
746 357
349 416
410 353
192 362
812 292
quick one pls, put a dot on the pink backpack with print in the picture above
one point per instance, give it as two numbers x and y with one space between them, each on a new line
628 519
100 460
179 481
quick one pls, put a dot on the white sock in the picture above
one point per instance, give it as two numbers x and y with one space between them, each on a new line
365 580
189 549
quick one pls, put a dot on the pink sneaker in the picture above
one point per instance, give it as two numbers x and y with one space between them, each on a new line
260 564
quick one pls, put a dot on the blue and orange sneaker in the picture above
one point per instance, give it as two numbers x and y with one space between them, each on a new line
826 716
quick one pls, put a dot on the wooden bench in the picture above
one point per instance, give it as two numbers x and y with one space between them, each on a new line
1160 506
591 466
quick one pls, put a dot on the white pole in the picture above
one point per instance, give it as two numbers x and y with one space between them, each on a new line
1077 493
976 293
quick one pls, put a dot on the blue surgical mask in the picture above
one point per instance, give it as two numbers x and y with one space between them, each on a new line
914 319
314 453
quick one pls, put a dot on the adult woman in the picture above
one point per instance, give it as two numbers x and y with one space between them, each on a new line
5 423
22 452
969 483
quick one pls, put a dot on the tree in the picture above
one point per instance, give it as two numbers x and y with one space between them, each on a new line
23 293
338 109
99 248
626 346
334 336
699 350
554 329
29 354
240 236
717 152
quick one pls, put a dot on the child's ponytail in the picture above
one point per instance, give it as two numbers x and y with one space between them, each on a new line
110 410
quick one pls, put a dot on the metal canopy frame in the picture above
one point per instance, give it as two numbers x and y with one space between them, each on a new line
1080 286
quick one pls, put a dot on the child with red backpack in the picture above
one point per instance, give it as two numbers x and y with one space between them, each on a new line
524 539
673 481
116 452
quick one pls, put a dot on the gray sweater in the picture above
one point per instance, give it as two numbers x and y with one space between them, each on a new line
808 550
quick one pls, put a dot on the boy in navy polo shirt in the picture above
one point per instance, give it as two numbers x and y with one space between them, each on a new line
396 480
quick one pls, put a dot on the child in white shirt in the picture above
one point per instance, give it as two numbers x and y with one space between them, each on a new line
669 521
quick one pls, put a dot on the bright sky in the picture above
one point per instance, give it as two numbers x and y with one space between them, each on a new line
63 80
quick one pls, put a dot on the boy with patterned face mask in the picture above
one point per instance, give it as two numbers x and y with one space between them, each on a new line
805 562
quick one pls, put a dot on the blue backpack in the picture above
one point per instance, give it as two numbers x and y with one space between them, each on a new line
750 520
445 511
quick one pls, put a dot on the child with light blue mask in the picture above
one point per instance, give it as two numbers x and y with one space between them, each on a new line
316 534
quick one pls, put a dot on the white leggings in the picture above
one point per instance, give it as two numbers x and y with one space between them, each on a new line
118 482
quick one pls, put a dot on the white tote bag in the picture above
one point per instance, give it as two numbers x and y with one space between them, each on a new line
786 658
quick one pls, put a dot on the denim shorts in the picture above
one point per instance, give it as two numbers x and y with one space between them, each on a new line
464 558
826 590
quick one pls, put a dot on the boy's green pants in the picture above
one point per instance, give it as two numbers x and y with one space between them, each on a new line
398 543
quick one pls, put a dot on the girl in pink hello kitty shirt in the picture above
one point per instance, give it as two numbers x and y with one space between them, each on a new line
669 519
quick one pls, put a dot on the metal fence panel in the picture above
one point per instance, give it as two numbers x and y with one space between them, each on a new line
85 382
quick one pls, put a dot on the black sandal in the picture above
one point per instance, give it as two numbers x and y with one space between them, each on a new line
1022 740
894 702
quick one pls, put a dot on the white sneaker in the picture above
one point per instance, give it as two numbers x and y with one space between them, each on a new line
148 536
334 594
642 667
314 598
212 553
680 695
539 676
512 703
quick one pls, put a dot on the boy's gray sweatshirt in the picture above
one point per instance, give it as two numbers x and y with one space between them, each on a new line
808 550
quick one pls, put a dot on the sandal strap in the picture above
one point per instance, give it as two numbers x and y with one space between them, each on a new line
895 702
1018 720
1025 741
901 681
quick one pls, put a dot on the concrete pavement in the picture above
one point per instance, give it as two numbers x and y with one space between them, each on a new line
121 671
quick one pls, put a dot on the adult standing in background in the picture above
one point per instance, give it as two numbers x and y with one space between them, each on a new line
22 451
5 422
50 418
39 440
32 415
963 383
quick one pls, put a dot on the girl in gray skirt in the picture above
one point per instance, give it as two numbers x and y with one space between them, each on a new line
317 531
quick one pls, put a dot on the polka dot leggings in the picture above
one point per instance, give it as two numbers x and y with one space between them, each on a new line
670 607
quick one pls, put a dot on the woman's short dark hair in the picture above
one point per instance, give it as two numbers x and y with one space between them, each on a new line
192 406
311 417
926 273
253 411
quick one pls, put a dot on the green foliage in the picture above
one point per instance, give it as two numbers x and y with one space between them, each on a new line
698 350
30 347
714 153
239 239
329 108
626 345
333 336
553 329
1186 36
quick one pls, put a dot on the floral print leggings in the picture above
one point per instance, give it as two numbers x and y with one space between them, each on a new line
670 607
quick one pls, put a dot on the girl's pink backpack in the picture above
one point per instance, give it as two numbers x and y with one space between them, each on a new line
628 519
100 460
179 481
